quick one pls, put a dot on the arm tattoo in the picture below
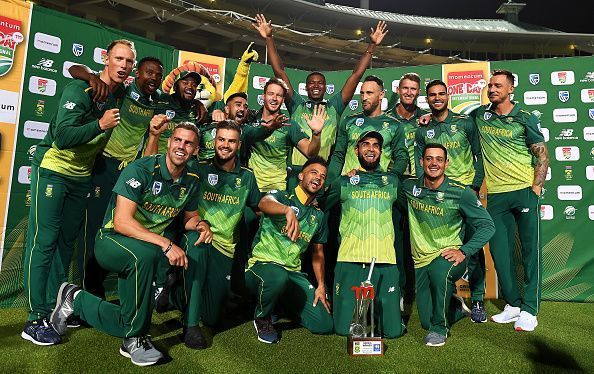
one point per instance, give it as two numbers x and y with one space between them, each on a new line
539 150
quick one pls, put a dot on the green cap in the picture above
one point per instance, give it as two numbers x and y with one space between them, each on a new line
186 73
372 134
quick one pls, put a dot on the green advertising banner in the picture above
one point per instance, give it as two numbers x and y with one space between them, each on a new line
55 42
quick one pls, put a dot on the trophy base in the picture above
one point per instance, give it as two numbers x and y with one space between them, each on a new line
365 346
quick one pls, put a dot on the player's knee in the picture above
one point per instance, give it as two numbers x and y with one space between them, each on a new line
324 326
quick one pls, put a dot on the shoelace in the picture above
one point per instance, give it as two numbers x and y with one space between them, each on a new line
144 342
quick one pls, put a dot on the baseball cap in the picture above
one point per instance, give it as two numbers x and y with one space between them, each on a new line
187 73
372 134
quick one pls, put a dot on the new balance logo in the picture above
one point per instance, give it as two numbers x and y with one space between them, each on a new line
69 105
133 183
392 289
525 210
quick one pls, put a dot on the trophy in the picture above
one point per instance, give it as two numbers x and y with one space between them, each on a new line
362 340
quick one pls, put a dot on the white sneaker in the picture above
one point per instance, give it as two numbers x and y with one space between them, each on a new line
401 303
509 314
526 322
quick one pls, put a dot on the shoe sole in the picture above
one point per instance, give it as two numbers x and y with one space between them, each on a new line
127 355
464 306
262 340
56 310
483 321
506 321
28 337
435 344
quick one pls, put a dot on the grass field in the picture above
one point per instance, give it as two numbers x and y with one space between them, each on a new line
563 341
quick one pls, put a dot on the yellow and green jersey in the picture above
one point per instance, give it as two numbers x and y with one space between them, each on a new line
459 135
268 157
223 197
505 142
172 108
334 109
438 219
127 138
272 244
409 126
394 157
159 198
74 137
366 228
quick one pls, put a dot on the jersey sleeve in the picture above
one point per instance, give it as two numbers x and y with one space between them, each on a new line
477 154
192 204
254 195
399 153
295 133
253 134
340 148
419 147
331 196
533 132
73 107
475 215
335 101
217 105
321 235
132 182
293 102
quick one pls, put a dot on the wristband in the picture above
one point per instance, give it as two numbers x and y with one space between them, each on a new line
464 253
316 133
168 248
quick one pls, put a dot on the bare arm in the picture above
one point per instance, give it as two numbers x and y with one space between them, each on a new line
194 223
539 150
270 206
318 262
157 125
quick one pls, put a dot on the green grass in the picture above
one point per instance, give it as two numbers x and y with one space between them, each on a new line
563 341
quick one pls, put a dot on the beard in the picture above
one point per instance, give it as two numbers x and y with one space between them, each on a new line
369 166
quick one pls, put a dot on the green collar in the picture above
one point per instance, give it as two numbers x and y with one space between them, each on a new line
515 110
235 170
417 114
165 171
442 187
447 120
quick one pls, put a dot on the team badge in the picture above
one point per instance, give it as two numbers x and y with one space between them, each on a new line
562 76
28 198
439 197
31 152
97 192
454 128
509 119
157 187
386 125
416 191
170 114
308 105
329 89
42 85
260 99
100 106
40 108
566 152
564 96
237 182
182 193
213 179
213 133
431 133
487 116
134 95
49 190
77 49
384 179
534 79
591 113
355 179
353 104
295 209
312 219
359 121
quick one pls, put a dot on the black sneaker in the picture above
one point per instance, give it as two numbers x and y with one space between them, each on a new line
75 321
140 350
193 337
64 307
265 330
478 313
40 332
162 293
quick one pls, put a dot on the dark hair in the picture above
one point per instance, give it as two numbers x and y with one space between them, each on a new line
279 82
435 82
243 95
436 145
508 74
125 42
411 77
376 79
315 73
148 59
228 125
188 126
315 160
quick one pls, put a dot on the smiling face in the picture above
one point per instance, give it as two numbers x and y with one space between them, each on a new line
273 98
315 87
186 88
181 146
119 62
434 163
369 152
371 96
437 98
149 77
312 178
408 91
499 89
227 143
237 109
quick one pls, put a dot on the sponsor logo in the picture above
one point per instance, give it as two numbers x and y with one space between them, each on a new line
464 88
564 115
48 43
260 100
395 84
49 190
567 153
535 97
157 187
546 212
259 82
10 38
591 113
69 105
439 197
295 209
591 212
42 86
534 79
416 191
99 55
359 121
587 95
97 192
562 78
569 212
170 114
566 134
133 183
24 176
568 173
77 49
45 64
355 179
35 130
128 81
537 113
8 106
134 95
213 179
590 172
545 133
487 116
358 89
353 104
422 102
516 80
525 210
31 152
40 108
329 89
572 193
548 177
564 96
431 133
384 104
28 198
301 89
588 78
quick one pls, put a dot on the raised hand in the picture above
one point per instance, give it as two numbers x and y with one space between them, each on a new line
158 124
264 27
377 34
316 120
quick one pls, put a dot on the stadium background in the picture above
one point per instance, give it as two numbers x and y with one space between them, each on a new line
560 91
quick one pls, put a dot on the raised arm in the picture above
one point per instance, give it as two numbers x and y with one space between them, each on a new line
84 73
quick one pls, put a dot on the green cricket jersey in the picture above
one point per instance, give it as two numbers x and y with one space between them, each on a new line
272 244
159 198
74 137
268 158
505 141
127 139
334 109
366 228
394 157
223 197
438 218
172 108
459 135
409 126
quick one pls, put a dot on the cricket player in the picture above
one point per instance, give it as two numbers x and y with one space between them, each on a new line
439 212
394 157
516 162
149 194
458 133
366 231
60 181
289 224
316 87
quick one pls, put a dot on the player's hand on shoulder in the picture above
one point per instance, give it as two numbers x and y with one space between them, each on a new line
110 119
100 88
